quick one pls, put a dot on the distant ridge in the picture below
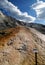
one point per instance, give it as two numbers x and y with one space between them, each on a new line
9 22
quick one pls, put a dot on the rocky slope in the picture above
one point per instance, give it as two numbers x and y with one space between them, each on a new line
17 43
9 22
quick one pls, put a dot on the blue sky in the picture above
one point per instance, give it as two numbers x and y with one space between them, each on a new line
25 10
24 5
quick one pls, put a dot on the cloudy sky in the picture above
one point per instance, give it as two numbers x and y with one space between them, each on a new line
24 10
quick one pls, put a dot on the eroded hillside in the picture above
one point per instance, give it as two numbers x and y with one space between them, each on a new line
17 44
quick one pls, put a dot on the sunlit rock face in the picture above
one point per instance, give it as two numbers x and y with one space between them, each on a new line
16 47
17 44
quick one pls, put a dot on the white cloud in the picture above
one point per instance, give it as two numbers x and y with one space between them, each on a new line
37 0
39 7
15 12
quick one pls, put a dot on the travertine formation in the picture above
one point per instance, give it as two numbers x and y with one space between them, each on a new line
17 44
17 41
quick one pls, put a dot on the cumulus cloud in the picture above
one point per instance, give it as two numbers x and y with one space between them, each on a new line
15 12
39 7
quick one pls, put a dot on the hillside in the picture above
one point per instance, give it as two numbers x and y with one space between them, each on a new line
9 22
17 43
16 48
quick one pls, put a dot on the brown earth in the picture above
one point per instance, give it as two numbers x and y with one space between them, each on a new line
17 44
